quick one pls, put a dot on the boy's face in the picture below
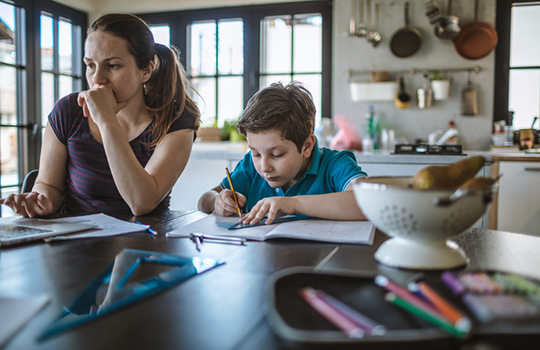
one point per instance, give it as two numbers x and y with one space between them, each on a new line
277 160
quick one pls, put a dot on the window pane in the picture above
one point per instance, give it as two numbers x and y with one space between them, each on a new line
47 96
276 45
7 33
162 34
231 47
266 80
314 84
8 96
9 156
65 50
525 36
230 95
65 85
307 43
205 99
203 49
524 96
47 62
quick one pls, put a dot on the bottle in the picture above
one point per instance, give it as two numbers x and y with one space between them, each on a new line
372 127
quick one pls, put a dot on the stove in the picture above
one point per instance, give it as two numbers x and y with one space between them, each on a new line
424 148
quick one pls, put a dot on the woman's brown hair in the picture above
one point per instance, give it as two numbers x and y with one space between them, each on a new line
166 94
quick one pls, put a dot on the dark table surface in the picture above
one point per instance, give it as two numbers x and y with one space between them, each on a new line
223 308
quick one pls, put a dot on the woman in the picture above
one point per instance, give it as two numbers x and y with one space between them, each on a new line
123 143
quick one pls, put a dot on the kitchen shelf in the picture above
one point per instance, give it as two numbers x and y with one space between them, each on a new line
412 71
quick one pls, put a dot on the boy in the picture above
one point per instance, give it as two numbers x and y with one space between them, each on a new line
285 171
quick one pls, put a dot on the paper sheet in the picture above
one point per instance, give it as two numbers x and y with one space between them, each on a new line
106 226
354 232
15 312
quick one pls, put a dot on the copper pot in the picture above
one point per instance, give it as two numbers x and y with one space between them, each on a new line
476 39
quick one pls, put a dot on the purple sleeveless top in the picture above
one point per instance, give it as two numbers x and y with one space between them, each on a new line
90 185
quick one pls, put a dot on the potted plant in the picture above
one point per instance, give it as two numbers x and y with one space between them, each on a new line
440 86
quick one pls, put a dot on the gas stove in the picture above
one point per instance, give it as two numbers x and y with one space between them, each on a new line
424 148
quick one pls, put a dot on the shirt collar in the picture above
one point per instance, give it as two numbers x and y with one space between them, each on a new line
315 161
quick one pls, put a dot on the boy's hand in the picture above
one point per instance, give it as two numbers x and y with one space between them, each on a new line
225 205
270 207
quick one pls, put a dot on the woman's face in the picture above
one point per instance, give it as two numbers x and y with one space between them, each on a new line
109 63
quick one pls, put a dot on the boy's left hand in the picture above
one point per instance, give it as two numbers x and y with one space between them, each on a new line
270 207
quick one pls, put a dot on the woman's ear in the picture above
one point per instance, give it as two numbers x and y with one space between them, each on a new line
308 146
148 70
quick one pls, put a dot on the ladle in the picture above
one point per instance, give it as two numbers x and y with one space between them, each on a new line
373 36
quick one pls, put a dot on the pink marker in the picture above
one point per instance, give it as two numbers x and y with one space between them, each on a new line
335 317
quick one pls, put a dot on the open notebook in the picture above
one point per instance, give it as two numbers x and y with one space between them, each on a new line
25 230
352 232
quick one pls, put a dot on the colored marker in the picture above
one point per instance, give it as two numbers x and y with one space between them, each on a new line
453 283
438 321
364 322
332 315
403 293
455 317
153 232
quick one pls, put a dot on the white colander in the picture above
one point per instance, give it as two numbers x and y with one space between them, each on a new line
420 221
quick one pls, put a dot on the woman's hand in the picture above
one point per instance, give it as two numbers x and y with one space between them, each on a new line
99 103
225 205
29 204
271 207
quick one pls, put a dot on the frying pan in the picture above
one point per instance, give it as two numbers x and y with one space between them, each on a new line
477 39
405 41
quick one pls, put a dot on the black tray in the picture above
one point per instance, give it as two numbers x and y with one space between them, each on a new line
294 320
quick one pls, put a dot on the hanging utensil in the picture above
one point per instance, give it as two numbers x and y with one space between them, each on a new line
406 41
403 99
433 12
357 6
425 94
374 37
447 28
476 39
469 98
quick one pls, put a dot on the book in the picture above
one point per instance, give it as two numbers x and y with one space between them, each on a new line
312 229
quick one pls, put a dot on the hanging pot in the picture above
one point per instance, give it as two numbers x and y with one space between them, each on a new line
406 41
447 27
476 39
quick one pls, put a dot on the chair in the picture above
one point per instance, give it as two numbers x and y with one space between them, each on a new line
29 181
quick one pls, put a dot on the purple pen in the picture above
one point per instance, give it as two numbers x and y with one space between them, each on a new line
364 322
453 283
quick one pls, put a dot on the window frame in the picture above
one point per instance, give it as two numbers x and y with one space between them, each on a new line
252 15
502 58
29 89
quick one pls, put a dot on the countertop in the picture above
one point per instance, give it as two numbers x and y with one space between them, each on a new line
226 150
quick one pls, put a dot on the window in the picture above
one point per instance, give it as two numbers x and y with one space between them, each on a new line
230 53
517 83
31 83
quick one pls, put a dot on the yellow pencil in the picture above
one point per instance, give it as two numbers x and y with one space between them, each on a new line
233 192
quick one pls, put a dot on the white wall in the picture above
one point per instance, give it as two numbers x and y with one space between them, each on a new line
351 53
357 54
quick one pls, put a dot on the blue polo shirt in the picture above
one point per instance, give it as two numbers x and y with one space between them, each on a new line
329 171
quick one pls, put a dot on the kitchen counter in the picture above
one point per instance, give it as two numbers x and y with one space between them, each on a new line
234 151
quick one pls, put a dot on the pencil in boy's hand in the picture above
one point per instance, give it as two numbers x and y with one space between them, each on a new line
233 192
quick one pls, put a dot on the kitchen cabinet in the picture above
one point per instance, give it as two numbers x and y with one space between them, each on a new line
518 205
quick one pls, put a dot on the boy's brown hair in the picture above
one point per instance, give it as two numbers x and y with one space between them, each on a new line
287 109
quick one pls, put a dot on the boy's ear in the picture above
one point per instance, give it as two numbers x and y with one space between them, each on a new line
308 146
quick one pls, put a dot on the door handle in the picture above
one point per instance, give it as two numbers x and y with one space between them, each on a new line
535 169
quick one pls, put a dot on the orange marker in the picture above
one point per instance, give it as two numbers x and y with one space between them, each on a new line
460 321
233 192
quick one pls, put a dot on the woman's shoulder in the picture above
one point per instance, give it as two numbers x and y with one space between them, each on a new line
184 121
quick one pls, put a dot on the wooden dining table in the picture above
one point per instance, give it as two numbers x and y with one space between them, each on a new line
223 308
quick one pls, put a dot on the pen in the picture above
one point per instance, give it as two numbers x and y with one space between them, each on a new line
233 192
426 315
347 326
153 232
459 321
